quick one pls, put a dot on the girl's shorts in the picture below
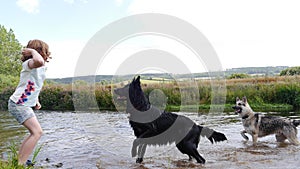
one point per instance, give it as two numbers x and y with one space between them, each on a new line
20 112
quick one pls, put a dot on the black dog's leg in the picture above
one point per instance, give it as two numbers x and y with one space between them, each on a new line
189 148
141 153
135 144
198 157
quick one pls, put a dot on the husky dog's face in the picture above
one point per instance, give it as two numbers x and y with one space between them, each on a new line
242 107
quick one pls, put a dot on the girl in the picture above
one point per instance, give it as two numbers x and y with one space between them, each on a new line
26 94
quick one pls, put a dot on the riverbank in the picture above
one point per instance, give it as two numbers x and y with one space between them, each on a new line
264 94
284 108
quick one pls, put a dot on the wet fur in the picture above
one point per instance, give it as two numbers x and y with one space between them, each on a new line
157 122
259 125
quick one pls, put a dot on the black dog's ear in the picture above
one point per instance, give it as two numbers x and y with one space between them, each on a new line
133 80
237 99
138 78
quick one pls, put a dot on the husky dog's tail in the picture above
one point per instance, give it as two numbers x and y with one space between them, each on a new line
296 122
211 135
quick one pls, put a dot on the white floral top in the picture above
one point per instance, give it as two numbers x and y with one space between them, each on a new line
30 85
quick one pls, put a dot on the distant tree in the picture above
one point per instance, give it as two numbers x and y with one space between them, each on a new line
80 82
238 76
104 82
290 71
9 53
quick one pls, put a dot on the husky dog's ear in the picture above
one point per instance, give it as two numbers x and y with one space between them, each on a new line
237 99
245 99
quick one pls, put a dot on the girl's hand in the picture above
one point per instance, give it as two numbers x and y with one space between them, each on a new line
38 106
37 59
27 51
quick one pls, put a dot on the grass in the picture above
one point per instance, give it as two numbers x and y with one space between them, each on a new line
35 154
228 107
278 93
264 93
12 162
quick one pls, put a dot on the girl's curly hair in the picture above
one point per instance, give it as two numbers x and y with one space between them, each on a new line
41 47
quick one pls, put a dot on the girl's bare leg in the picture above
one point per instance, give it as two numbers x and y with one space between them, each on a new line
30 142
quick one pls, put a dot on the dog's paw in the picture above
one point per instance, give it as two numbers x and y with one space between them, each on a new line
139 160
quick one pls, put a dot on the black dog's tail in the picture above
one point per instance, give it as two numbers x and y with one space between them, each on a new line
211 135
296 122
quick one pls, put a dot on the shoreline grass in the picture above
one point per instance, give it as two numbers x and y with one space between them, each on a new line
12 161
228 108
278 93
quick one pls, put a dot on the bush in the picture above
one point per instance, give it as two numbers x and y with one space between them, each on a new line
288 94
238 76
259 91
104 98
8 81
290 71
4 97
56 98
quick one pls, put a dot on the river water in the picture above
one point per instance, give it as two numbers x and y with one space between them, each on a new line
92 140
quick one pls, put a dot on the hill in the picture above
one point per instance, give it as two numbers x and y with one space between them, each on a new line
254 71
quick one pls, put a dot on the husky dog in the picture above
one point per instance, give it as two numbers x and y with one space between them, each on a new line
258 125
153 126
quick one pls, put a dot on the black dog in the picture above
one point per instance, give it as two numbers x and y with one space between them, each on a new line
152 126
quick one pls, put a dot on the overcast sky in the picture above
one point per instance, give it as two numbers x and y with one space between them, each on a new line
243 33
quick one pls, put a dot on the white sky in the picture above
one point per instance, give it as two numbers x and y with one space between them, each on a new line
243 33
